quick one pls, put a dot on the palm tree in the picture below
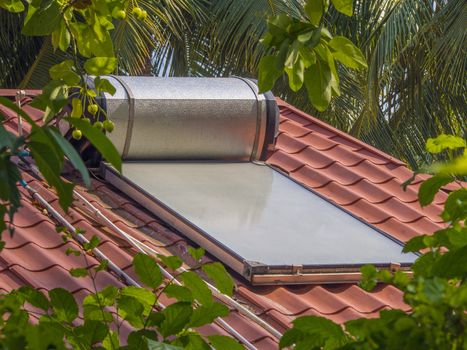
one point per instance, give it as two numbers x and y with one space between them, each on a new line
25 61
413 89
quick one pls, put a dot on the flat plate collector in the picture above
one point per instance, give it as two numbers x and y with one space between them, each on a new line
256 220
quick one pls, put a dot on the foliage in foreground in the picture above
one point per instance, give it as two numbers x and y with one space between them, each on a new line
307 52
109 312
437 292
414 87
80 31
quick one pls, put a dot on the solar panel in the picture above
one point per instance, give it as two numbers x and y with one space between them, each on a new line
259 222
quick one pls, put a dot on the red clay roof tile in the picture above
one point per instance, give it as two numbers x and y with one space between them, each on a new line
364 181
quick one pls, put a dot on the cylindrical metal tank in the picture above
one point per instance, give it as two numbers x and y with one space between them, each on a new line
191 118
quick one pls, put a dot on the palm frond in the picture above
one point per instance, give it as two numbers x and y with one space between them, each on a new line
414 87
17 52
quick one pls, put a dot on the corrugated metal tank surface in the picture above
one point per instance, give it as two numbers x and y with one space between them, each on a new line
191 118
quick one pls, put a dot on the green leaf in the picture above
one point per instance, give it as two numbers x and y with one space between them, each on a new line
70 251
310 39
278 25
452 264
318 84
147 270
49 159
292 55
430 187
9 177
83 38
42 20
296 75
217 272
63 304
424 264
64 37
144 296
291 336
46 335
404 324
192 341
90 332
268 73
71 154
106 297
455 207
155 319
177 317
321 331
76 108
58 98
314 9
325 34
267 40
100 65
79 272
458 239
308 56
327 58
91 93
53 98
92 244
64 71
196 253
88 42
14 6
343 6
93 312
7 139
34 297
98 30
415 244
304 38
172 262
103 85
139 339
111 341
384 276
197 286
207 314
401 279
155 345
221 342
180 293
100 141
347 53
451 238
131 310
103 265
444 142
457 167
369 274
434 289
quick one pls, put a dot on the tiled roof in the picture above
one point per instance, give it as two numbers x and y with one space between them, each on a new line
354 175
